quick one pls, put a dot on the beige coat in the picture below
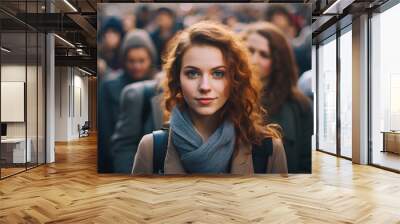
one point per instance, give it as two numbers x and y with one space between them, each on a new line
242 162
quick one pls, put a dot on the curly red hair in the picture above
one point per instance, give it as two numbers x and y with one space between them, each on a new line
243 106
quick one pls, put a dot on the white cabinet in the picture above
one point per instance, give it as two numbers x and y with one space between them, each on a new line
17 145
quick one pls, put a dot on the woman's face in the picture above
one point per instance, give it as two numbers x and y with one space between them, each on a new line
204 80
112 39
260 53
138 63
129 22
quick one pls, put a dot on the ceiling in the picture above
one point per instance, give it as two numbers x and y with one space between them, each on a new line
77 22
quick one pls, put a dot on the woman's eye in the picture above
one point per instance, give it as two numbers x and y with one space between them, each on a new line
251 50
192 74
218 74
265 55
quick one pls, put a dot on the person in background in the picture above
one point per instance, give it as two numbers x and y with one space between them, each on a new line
110 38
166 27
101 68
129 22
232 22
213 12
302 50
140 114
290 25
137 56
305 84
143 17
280 16
212 99
286 104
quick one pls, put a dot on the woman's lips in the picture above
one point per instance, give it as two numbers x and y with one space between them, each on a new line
205 101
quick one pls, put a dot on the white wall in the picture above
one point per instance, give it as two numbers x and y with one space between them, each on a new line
80 110
71 94
61 103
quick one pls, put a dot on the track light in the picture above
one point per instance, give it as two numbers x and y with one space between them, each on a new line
332 8
65 41
86 72
5 50
337 7
70 5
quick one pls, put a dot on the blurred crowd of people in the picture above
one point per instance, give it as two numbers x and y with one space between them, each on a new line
131 47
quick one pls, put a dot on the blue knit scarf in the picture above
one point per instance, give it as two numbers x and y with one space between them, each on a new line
212 156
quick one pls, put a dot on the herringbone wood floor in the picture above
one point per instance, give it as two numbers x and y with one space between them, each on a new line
70 191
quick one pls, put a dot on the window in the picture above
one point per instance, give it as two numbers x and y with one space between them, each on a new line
327 96
385 89
346 93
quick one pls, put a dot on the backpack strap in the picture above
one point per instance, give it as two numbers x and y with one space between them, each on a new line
260 154
160 143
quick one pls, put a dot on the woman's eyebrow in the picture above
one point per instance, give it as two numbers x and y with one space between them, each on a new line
190 66
221 66
194 67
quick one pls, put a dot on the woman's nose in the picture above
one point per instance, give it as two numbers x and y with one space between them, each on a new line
254 58
204 83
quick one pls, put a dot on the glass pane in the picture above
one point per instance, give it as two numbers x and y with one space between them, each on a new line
385 89
32 96
13 87
313 66
327 96
41 99
346 94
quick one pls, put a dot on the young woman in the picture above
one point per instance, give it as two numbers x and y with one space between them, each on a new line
212 103
285 103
